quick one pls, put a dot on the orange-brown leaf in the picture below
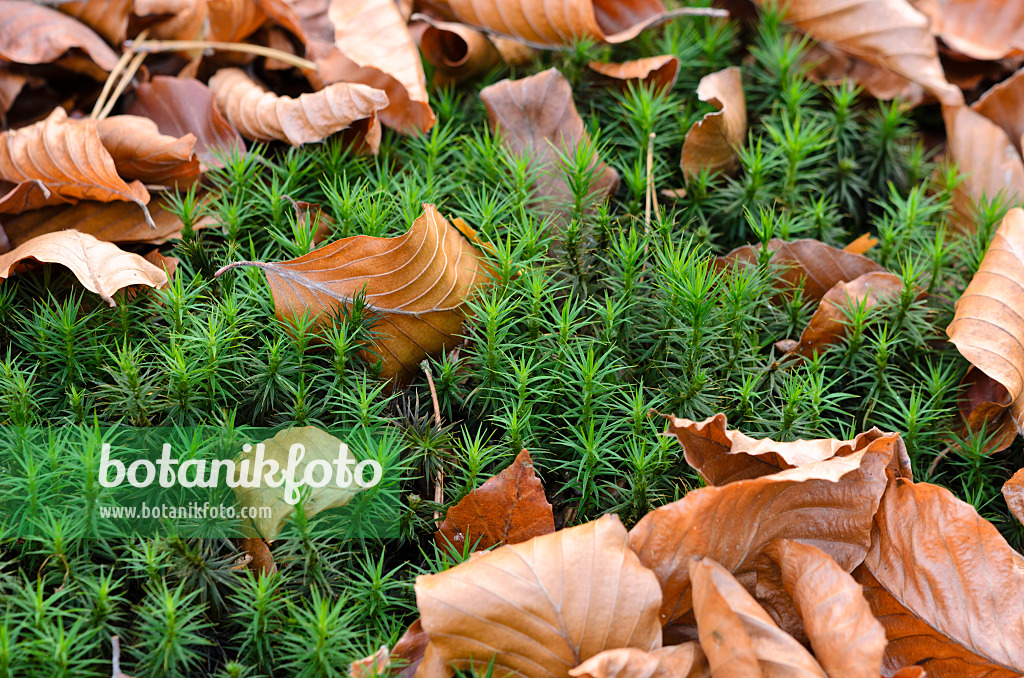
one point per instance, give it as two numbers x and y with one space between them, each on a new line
827 503
712 141
261 560
988 325
109 18
507 509
408 651
33 34
536 116
657 72
1013 494
141 152
374 665
417 284
1003 105
862 244
685 660
945 585
101 267
737 635
263 115
981 29
542 607
457 52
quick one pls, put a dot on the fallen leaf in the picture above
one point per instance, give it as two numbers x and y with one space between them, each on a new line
987 159
890 34
457 52
541 607
861 245
109 18
686 660
416 283
1002 105
981 29
828 504
945 585
657 72
33 34
984 405
988 323
260 560
536 116
181 106
736 634
507 509
408 651
61 160
118 222
830 66
846 638
830 322
374 665
911 672
820 266
259 114
1013 494
181 19
11 84
712 141
101 267
320 446
141 152
722 456
233 20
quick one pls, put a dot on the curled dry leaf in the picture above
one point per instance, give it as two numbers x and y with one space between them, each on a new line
846 638
374 665
827 503
507 509
263 115
416 284
536 116
722 456
828 65
945 585
33 34
820 266
261 560
657 72
984 403
862 244
542 23
141 152
890 34
736 634
988 324
119 222
407 653
830 322
541 607
11 83
181 106
109 18
1013 494
981 29
685 660
101 267
58 161
712 141
1003 105
173 19
457 52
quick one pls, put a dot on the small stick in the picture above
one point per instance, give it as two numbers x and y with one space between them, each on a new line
650 182
115 73
439 483
150 46
129 73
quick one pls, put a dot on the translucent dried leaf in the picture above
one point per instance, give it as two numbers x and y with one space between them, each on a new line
141 152
659 72
541 607
981 29
101 267
686 660
34 34
1013 494
1003 105
712 141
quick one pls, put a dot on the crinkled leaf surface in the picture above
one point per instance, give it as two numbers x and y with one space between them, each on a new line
712 141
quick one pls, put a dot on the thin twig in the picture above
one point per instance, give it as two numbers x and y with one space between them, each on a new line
129 73
115 74
939 457
439 482
149 46
650 182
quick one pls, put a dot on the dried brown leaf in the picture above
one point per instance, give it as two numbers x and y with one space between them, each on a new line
712 141
537 116
1003 105
828 504
984 403
830 322
737 635
61 160
101 267
141 152
988 324
657 72
408 651
416 283
261 560
686 660
507 509
173 19
1013 494
457 52
722 456
374 665
862 244
541 607
181 106
820 266
11 84
263 115
109 18
981 29
830 66
33 34
945 585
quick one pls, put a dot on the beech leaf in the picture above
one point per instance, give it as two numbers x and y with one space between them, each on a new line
712 141
259 114
507 509
416 283
1002 105
101 267
541 607
658 72
141 152
981 29
457 52
945 585
685 660
1013 494
33 34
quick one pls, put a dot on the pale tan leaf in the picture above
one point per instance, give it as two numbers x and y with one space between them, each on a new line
541 607
712 141
183 19
263 115
141 152
657 72
945 585
1013 494
374 665
981 29
457 52
831 66
737 635
11 84
66 158
109 18
261 560
1003 105
686 660
101 267
417 284
988 324
33 34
